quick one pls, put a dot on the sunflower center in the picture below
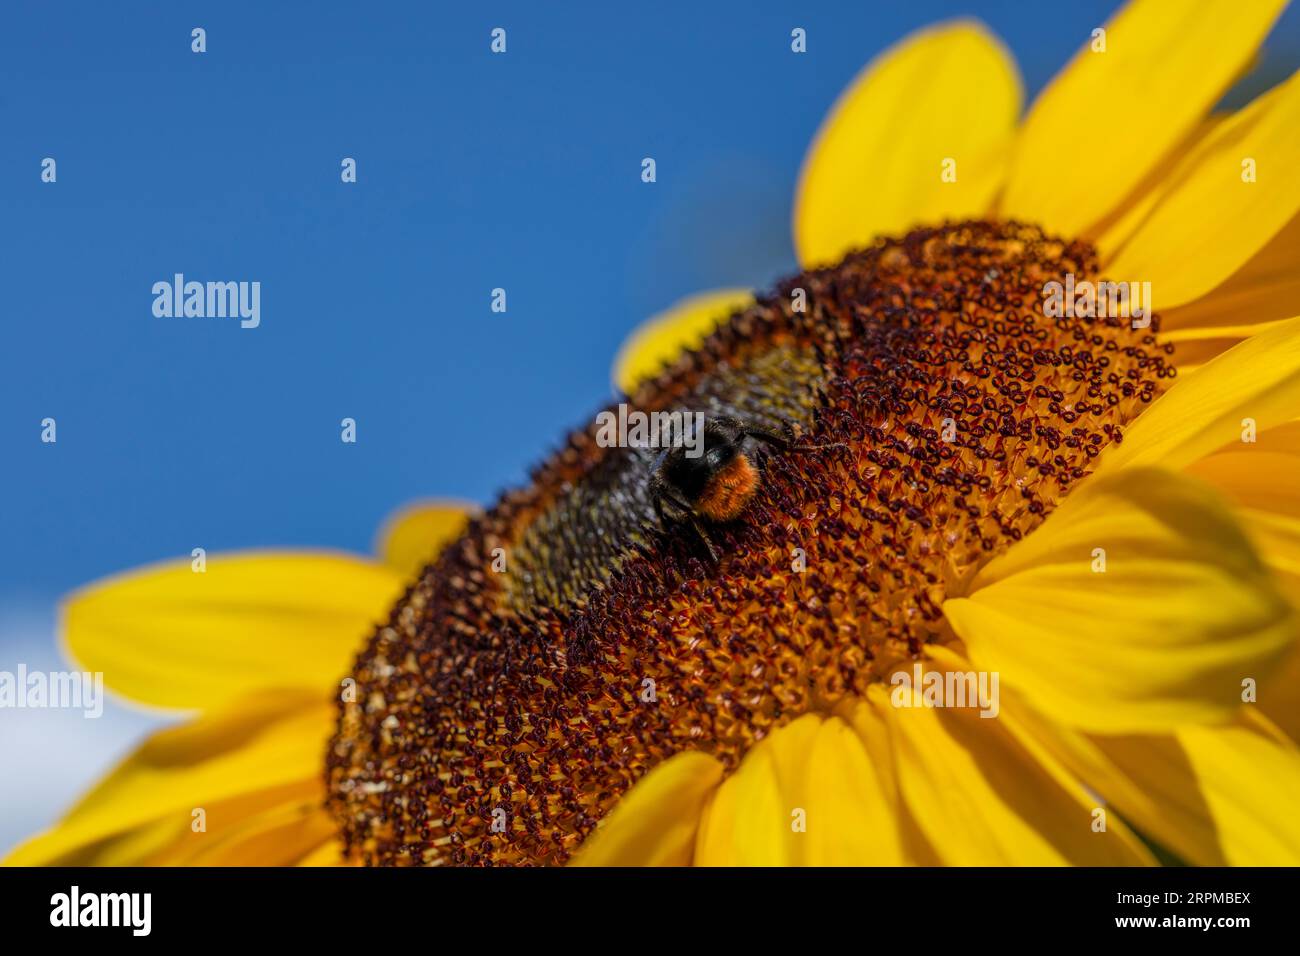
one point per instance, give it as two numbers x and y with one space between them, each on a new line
566 645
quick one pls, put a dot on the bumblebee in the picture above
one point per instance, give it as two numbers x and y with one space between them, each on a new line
717 484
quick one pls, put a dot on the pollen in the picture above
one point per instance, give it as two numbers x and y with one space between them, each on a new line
565 645
729 490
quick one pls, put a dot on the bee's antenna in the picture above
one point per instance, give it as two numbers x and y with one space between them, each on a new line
833 444
785 444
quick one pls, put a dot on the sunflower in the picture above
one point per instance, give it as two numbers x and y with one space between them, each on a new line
1100 512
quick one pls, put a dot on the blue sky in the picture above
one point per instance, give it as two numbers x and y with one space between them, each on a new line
475 171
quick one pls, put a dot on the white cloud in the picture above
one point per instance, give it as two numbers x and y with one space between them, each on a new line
50 757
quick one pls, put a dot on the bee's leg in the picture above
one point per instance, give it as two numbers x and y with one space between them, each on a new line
661 514
669 507
704 536
684 512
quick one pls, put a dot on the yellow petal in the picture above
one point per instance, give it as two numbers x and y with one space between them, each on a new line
1214 796
413 537
1191 356
1197 346
1164 68
282 836
1238 332
327 854
663 337
148 844
655 823
1244 781
1163 636
983 799
1211 222
1259 479
1264 487
172 840
808 794
946 93
1258 379
1279 695
171 637
1265 289
1122 221
268 748
1274 524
